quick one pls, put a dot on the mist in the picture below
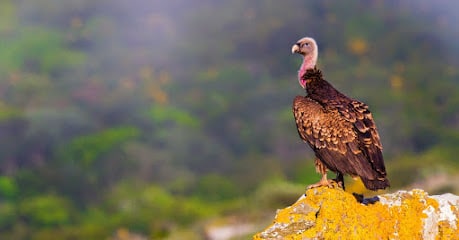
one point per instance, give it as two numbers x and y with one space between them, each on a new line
112 112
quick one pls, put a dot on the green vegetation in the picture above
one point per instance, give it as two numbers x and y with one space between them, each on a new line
154 117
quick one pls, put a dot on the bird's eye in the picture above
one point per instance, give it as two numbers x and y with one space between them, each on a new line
306 44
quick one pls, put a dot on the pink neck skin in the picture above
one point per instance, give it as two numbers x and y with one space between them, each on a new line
308 63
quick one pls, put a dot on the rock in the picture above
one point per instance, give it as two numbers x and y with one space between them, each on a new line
327 213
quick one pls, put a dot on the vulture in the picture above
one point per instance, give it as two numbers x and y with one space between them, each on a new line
340 130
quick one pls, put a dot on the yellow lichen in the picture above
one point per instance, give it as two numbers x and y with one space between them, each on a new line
409 216
334 214
445 231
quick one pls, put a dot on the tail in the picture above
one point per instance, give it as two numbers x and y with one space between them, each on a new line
376 184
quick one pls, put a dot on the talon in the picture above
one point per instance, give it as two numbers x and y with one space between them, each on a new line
330 183
324 182
327 183
339 180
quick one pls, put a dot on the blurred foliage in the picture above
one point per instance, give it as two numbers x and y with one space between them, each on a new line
275 194
8 188
146 118
88 148
45 210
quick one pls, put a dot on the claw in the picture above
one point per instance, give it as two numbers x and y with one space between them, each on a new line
339 180
324 182
330 183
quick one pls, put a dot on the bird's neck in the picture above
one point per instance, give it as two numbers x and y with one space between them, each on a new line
309 62
318 88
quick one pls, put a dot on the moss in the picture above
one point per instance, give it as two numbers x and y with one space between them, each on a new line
332 214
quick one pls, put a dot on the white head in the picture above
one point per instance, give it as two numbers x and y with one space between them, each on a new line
307 47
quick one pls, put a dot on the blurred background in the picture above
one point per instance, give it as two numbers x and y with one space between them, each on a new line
151 119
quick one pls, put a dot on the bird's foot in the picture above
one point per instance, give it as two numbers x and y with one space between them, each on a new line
330 183
339 182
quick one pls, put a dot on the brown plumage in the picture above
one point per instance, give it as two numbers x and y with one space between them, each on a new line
340 130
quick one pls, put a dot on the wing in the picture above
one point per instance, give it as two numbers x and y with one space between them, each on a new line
361 118
333 138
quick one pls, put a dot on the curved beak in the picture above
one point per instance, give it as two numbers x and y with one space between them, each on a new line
296 48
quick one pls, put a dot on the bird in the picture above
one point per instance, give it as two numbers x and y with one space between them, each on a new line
340 130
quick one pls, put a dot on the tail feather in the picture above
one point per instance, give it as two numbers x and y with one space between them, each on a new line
376 184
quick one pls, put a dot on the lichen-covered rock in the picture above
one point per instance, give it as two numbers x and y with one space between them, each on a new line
325 213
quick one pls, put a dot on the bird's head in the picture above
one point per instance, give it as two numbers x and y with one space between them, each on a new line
307 47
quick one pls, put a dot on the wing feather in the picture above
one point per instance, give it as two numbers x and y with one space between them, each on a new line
340 130
368 135
343 136
358 113
329 135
